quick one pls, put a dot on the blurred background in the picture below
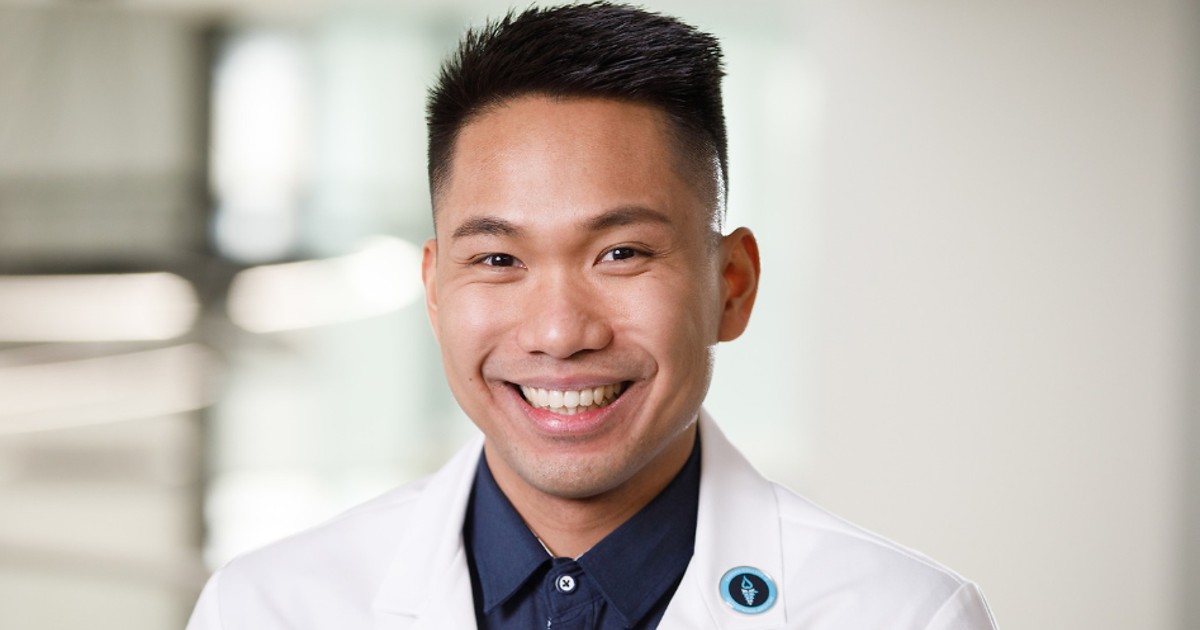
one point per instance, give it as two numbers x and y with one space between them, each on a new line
977 332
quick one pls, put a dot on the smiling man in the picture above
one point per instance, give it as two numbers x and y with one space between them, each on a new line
577 284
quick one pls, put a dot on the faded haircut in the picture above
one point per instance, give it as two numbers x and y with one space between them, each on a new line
597 49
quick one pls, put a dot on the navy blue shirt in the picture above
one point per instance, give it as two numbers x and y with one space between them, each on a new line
625 581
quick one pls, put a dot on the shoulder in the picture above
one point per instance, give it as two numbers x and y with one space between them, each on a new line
291 583
829 558
816 534
334 574
832 574
353 541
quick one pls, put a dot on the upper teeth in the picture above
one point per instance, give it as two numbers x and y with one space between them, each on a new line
571 402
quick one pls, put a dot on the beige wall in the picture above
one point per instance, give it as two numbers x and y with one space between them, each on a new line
1005 281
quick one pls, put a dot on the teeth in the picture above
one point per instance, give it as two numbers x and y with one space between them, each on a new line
571 402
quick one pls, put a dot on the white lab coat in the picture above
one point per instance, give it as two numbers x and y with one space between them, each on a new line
398 562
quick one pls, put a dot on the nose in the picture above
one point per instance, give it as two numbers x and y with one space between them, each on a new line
564 316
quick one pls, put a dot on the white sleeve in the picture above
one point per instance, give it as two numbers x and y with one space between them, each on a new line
207 614
965 610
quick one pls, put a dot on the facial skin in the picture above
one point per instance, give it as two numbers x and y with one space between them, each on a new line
572 253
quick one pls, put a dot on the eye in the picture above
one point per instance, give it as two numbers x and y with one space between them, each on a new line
621 253
499 260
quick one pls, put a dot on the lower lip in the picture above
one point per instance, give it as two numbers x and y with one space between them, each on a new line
582 424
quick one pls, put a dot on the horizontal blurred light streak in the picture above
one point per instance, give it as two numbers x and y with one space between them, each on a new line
102 390
96 307
179 569
380 278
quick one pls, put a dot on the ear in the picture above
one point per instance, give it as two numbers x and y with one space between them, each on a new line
429 278
740 269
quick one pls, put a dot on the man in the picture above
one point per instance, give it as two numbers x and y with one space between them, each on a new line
578 283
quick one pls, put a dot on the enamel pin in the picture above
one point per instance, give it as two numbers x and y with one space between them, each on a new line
748 590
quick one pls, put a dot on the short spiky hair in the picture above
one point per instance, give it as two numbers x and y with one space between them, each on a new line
598 49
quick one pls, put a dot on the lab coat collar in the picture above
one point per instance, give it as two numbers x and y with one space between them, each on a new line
428 578
738 525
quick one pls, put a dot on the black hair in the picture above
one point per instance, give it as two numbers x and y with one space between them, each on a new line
598 49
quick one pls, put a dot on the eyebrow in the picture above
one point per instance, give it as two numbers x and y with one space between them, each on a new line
617 217
626 215
486 226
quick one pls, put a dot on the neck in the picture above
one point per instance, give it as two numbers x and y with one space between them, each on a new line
569 526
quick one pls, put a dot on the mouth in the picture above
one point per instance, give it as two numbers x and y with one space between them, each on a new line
571 402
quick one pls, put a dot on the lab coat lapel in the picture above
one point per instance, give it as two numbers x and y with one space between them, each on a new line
737 525
428 584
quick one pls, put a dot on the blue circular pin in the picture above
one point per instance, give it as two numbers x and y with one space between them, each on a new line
748 590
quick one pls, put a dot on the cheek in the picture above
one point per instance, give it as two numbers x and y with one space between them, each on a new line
675 318
471 321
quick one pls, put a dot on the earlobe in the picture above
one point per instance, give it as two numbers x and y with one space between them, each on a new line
429 278
739 275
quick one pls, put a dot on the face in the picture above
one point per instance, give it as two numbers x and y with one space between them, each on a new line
577 292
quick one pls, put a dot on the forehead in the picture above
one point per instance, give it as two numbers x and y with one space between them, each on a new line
543 159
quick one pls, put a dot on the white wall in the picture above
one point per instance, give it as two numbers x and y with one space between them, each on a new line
1005 274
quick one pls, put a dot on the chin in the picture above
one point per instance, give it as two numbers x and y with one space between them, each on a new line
572 478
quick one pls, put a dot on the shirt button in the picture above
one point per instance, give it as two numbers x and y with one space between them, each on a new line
565 584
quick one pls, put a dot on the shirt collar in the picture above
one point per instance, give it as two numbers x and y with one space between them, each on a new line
646 556
634 566
505 552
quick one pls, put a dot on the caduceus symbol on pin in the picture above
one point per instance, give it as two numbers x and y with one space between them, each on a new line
748 590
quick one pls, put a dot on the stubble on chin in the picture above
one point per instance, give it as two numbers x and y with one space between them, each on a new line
569 478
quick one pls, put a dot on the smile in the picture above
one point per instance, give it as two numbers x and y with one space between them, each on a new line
571 402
